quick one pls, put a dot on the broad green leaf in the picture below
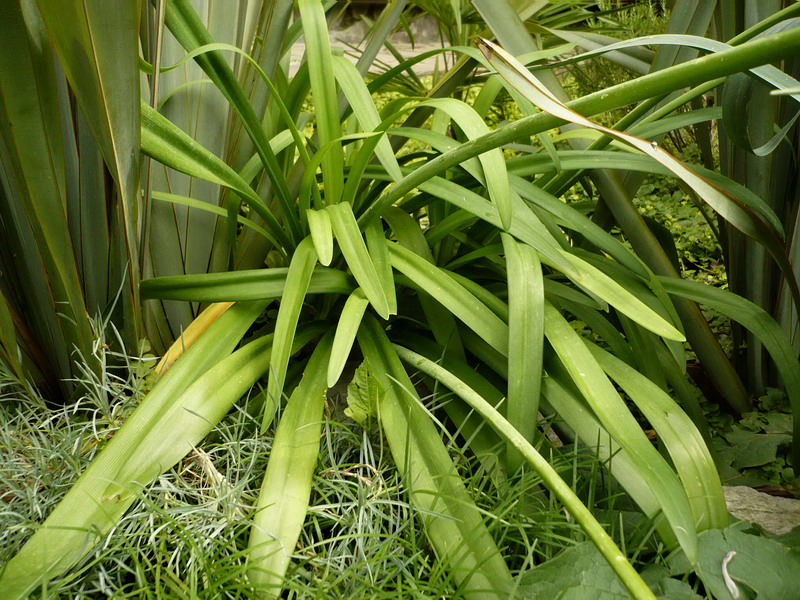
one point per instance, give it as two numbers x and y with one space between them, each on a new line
280 510
298 279
364 395
580 573
355 252
732 563
346 329
526 335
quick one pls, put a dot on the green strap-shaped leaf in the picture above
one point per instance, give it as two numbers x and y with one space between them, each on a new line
526 336
221 212
595 281
730 208
355 90
376 245
683 441
428 278
552 480
297 281
358 258
346 329
319 226
453 524
621 424
493 163
280 510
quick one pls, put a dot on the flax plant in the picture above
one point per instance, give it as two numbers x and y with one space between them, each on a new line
336 254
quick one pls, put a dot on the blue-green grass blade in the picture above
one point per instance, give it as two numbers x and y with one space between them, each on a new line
85 514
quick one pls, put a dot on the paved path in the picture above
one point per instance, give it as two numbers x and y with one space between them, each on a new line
425 67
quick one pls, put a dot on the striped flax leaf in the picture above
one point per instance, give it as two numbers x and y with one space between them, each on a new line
166 143
97 47
38 246
186 26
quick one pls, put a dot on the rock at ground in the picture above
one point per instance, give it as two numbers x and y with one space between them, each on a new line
771 513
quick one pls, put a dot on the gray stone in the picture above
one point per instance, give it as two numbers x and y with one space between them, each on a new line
771 513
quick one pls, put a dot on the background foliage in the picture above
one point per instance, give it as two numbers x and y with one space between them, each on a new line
489 313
